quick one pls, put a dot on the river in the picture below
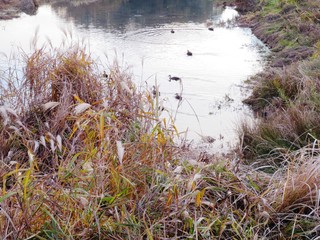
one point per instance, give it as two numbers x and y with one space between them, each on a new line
138 34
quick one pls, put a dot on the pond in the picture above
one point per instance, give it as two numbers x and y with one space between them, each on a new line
139 35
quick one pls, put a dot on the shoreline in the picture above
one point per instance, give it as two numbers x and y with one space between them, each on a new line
285 94
262 24
10 9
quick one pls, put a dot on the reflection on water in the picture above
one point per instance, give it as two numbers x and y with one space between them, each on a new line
121 14
139 34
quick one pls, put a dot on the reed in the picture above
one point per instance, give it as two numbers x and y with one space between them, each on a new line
73 141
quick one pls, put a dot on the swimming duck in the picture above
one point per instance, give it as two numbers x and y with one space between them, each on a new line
172 31
178 96
105 75
161 108
174 78
189 53
155 92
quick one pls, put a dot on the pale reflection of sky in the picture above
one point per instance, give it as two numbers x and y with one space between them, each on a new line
222 59
228 14
19 32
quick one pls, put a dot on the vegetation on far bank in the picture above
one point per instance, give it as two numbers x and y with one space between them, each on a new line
83 156
12 8
286 95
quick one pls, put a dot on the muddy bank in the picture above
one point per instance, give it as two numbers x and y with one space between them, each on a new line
290 30
12 8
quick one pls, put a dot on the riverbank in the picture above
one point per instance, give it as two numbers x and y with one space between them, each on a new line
285 95
12 8
291 30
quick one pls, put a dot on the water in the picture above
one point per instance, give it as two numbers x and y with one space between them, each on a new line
138 34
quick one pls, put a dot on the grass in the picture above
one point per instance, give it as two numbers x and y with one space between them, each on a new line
284 138
285 25
76 141
288 102
286 95
85 157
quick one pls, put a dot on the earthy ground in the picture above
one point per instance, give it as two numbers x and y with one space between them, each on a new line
291 30
12 8
286 95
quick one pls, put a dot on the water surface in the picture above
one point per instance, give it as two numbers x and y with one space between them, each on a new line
138 34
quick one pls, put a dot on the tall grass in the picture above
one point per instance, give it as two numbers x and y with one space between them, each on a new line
86 157
73 141
283 141
288 102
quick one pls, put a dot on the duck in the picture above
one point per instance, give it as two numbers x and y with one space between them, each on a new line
210 29
155 92
160 108
189 53
174 78
172 31
178 96
105 75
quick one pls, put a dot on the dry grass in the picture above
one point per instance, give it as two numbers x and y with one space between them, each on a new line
85 157
288 103
294 194
283 142
65 129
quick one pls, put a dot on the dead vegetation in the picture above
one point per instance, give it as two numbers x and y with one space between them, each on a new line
286 95
84 157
